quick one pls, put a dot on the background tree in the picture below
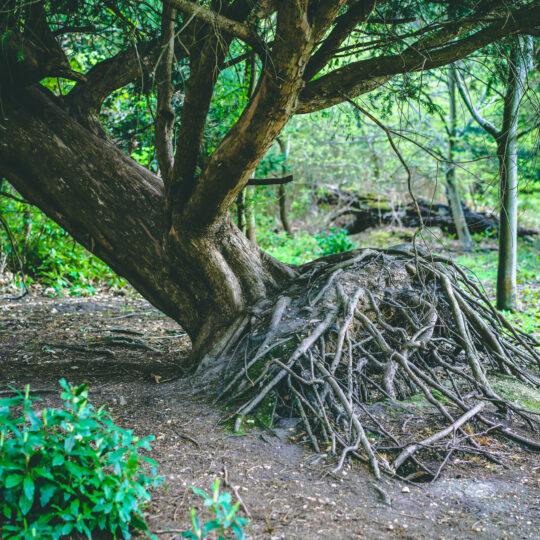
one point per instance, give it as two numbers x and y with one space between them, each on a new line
506 138
454 197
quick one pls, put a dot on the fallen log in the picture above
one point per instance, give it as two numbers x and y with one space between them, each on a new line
356 213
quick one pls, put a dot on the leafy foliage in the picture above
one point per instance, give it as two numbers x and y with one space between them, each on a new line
47 253
224 518
69 470
334 241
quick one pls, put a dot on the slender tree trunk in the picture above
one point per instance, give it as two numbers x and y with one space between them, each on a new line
508 187
246 211
250 218
114 207
452 190
282 193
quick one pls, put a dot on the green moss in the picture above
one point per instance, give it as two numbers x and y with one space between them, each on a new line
419 400
516 392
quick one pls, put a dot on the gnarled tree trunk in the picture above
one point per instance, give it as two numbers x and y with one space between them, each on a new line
115 208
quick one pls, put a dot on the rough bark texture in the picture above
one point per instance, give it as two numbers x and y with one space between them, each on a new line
114 207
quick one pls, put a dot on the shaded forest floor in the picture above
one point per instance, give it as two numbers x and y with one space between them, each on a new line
128 353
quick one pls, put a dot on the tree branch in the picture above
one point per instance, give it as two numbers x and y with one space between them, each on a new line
216 20
484 124
109 75
272 105
204 70
390 20
270 181
10 196
432 51
165 114
528 130
342 29
89 28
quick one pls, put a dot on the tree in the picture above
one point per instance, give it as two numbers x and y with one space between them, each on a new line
282 193
506 138
451 186
172 236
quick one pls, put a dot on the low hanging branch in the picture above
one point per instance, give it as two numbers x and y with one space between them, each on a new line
237 29
270 181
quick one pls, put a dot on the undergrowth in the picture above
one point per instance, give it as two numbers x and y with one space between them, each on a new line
70 470
223 514
36 250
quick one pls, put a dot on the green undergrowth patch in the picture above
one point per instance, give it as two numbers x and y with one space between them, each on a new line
522 395
223 517
305 247
38 251
483 265
484 262
419 400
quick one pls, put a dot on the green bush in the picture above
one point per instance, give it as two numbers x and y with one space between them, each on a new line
224 517
69 470
334 241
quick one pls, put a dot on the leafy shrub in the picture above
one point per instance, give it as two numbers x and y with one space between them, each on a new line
69 470
224 516
334 241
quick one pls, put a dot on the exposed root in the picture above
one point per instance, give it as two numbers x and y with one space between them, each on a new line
355 337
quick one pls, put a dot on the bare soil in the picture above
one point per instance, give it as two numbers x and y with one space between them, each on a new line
130 355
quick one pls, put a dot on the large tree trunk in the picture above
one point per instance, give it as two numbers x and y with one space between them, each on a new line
508 181
201 278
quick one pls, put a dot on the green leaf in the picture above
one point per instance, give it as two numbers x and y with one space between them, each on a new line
211 525
238 532
14 480
28 487
45 493
58 460
25 505
138 523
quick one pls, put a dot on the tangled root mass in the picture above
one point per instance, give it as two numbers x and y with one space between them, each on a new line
348 344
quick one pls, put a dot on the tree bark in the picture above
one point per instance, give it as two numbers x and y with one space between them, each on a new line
508 187
114 207
452 192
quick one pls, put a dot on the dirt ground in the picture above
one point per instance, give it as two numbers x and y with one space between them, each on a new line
129 355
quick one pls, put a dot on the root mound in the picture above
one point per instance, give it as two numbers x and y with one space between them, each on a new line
358 341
